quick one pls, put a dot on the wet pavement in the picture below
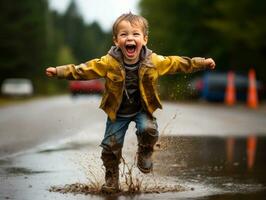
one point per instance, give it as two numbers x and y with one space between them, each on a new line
228 168
186 166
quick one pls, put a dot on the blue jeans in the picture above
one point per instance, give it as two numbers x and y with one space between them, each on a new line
115 132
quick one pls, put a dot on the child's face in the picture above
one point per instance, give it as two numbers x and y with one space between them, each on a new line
130 39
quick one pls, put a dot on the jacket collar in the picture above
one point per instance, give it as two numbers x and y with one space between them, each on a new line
145 55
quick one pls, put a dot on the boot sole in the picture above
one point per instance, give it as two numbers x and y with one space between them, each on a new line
109 190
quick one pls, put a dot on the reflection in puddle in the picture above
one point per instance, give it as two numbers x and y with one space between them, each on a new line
235 165
201 166
184 168
65 147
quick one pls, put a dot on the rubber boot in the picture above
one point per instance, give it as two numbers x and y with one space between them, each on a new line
146 141
111 164
111 184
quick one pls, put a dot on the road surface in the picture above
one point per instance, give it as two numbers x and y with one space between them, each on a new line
55 142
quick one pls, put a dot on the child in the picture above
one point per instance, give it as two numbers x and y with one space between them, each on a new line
131 72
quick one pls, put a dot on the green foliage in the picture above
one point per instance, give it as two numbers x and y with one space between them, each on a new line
33 37
231 32
86 41
241 27
23 36
65 55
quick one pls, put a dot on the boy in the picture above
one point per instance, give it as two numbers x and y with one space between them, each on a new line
131 72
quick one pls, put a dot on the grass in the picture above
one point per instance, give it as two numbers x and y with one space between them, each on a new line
5 101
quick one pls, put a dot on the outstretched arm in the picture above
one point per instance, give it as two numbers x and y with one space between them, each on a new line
174 64
90 70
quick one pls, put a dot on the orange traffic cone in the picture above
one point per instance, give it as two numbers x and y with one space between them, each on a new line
252 97
230 96
251 151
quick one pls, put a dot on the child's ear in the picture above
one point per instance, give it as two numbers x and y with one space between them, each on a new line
115 41
145 40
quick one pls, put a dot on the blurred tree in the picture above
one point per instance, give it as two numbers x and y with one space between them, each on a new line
95 42
73 27
86 41
177 28
33 37
22 41
65 55
241 25
231 32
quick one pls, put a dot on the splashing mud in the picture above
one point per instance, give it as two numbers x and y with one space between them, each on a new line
131 182
86 189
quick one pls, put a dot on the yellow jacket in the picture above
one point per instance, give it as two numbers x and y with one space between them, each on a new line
110 67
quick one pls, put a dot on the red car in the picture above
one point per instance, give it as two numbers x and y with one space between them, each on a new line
86 87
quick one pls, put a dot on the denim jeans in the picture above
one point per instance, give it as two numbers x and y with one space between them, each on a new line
115 131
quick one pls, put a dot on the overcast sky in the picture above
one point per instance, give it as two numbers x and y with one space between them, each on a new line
103 11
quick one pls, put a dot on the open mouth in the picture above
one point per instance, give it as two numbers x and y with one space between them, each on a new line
131 48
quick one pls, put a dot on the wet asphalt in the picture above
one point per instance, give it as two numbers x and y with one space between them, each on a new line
204 152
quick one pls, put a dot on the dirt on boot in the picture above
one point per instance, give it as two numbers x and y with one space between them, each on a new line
144 159
111 184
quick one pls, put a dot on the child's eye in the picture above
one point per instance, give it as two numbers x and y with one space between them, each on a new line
136 34
122 34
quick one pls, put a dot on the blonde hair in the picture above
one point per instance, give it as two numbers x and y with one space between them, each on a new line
132 19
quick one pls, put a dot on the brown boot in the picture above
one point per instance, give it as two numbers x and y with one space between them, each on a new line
144 161
111 160
111 181
146 141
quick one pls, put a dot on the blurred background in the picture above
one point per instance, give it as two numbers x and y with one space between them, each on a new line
40 33
211 149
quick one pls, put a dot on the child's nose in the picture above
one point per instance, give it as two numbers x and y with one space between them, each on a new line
130 37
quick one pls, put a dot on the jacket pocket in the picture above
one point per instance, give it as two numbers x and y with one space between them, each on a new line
114 82
114 77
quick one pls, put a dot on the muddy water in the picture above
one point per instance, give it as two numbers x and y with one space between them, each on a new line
214 167
184 168
230 168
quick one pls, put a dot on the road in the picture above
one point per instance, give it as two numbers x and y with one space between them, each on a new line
33 123
30 124
55 141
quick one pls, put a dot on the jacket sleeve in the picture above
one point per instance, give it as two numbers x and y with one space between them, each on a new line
174 64
92 69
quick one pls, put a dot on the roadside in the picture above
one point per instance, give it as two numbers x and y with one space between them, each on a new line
5 101
9 101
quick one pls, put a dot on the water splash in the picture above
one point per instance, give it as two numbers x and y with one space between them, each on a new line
132 182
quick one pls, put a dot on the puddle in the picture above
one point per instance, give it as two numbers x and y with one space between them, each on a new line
4 162
17 171
209 165
184 168
77 145
234 165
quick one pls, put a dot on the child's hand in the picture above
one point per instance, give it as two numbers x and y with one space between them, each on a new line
51 72
210 63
